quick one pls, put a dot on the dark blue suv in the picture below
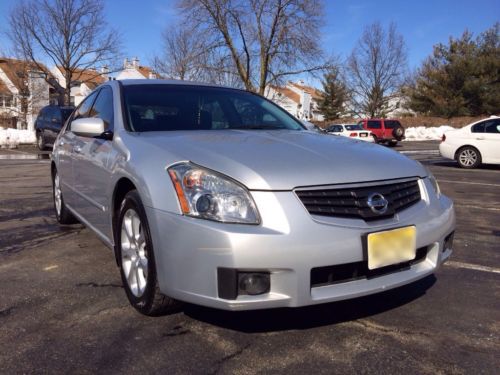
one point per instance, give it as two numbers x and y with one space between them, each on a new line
48 124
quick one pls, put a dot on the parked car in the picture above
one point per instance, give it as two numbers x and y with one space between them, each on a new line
384 130
48 124
473 144
218 197
354 131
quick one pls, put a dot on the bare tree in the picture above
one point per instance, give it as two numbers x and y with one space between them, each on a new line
73 34
376 68
183 55
265 40
186 55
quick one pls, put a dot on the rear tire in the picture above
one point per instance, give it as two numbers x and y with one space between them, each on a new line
375 139
137 261
468 157
393 143
63 215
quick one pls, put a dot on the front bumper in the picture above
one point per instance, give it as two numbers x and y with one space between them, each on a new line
189 251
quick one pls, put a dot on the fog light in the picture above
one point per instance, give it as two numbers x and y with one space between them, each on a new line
448 241
253 283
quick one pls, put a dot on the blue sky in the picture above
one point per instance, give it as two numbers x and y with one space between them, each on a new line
422 23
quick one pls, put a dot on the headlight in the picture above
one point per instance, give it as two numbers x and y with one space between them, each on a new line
210 195
434 182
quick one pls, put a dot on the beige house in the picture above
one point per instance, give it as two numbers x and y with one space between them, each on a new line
83 81
23 92
298 99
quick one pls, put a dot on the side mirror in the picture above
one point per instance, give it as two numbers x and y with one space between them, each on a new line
88 127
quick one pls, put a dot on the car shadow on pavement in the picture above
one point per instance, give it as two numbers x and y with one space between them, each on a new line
311 316
452 164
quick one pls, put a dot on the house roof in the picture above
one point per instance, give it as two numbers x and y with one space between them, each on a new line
315 94
16 70
290 94
4 89
145 71
90 77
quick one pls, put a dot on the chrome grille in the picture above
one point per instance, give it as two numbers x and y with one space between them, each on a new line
353 202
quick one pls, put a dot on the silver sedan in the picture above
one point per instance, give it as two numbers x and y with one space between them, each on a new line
218 197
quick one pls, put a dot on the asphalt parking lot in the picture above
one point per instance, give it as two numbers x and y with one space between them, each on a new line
62 307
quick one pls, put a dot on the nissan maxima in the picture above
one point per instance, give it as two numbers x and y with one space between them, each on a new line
218 197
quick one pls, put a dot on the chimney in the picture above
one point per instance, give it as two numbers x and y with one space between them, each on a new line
135 62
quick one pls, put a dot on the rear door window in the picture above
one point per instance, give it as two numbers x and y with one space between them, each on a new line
479 128
492 126
374 125
391 124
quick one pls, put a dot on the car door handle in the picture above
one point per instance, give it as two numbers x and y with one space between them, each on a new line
77 149
479 138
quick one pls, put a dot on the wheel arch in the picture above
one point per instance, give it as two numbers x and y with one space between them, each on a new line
459 149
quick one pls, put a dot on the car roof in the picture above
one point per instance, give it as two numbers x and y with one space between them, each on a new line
132 82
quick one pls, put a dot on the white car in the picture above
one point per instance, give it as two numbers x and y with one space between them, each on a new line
355 131
474 144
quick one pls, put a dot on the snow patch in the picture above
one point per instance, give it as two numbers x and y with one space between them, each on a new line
12 137
422 133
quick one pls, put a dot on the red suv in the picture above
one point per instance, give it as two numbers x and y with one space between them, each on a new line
384 130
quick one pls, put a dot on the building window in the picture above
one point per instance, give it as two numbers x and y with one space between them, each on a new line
6 100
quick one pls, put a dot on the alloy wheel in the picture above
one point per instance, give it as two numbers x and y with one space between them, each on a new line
133 253
468 157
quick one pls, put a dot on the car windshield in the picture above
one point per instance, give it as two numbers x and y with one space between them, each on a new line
354 127
185 107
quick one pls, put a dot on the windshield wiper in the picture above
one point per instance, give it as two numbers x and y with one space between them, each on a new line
257 127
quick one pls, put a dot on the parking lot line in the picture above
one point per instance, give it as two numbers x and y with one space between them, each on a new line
468 183
474 267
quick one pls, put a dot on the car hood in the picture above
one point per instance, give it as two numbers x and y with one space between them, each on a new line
281 159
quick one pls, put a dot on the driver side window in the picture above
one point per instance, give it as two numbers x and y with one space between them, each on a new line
83 109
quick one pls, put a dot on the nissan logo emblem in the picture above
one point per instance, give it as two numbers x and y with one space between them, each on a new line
377 203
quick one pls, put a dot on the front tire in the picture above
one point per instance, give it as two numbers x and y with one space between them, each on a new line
468 157
137 261
63 215
40 141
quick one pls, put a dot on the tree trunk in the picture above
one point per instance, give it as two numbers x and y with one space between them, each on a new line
67 89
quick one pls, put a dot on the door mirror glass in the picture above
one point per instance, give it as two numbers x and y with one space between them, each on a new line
88 127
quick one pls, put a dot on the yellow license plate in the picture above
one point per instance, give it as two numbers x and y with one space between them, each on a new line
391 247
